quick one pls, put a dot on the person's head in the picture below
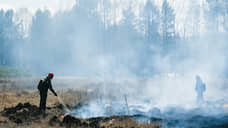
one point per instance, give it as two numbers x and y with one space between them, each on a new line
198 78
50 75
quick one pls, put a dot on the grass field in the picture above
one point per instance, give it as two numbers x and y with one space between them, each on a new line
76 92
12 93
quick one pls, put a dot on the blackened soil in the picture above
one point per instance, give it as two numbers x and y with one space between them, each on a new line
27 113
22 113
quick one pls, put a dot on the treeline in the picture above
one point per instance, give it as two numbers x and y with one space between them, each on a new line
90 40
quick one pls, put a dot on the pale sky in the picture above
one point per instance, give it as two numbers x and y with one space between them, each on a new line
181 7
53 5
25 18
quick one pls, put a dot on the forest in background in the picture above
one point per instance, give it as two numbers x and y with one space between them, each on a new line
97 38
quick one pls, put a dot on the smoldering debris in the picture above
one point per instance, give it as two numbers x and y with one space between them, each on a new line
194 121
27 113
176 116
54 121
71 121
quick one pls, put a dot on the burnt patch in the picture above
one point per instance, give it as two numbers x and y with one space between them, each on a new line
96 122
3 122
70 121
54 121
22 113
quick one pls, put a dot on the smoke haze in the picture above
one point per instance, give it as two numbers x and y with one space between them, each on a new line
150 51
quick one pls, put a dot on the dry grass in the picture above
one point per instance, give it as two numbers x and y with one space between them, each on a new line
72 97
11 95
9 99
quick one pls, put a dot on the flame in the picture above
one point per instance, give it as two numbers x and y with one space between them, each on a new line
62 116
111 121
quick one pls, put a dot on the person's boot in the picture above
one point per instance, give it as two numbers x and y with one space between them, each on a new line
40 110
43 113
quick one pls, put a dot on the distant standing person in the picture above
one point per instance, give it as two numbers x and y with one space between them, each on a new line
43 87
200 89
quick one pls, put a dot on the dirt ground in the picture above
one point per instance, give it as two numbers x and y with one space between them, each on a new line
19 108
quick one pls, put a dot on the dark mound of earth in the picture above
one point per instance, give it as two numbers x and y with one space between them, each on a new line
71 121
27 113
22 113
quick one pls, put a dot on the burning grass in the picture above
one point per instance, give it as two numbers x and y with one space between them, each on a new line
107 122
19 108
28 115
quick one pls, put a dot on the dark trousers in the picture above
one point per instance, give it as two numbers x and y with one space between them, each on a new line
43 99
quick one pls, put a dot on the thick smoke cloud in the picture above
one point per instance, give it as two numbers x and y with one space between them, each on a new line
80 42
150 50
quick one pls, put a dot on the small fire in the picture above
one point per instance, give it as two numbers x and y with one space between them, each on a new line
111 121
62 116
